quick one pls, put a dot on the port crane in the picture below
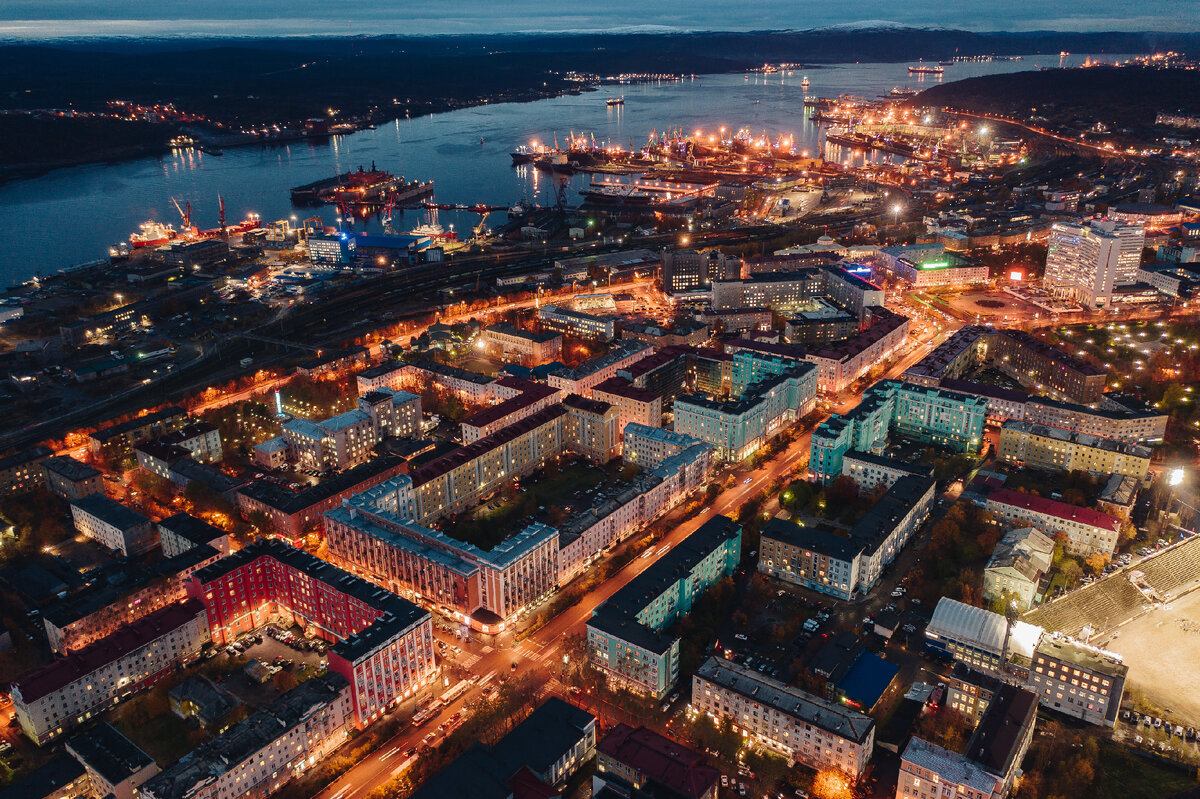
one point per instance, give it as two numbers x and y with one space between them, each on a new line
185 212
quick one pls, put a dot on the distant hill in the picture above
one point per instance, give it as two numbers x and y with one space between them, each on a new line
1122 97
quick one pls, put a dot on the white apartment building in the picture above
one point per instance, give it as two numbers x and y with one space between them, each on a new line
259 755
776 716
588 374
577 323
868 471
1087 530
71 690
648 446
1086 260
113 525
348 439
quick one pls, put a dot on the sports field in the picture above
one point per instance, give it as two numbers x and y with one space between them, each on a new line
1162 649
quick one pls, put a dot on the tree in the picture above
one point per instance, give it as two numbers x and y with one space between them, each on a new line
843 492
830 783
1096 562
1071 572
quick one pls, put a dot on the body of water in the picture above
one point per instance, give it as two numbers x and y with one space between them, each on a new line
73 215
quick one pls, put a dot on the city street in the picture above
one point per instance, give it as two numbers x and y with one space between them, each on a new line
541 650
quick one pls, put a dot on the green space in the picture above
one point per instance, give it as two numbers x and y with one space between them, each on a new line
544 496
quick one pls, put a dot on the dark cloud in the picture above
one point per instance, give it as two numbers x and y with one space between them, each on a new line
49 18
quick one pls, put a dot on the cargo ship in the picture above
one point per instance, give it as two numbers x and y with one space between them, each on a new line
611 101
527 154
924 69
156 234
364 187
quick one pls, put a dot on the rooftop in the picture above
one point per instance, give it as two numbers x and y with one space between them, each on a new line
108 753
981 628
507 329
814 539
68 468
950 767
620 387
661 760
997 740
1094 659
246 738
61 673
109 511
47 781
1054 508
798 704
281 499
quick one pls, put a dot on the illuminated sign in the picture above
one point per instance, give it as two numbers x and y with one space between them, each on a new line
935 265
1016 276
859 270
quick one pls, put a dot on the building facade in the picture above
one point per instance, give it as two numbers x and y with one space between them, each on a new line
799 725
1050 449
1086 261
113 525
626 636
1088 531
1078 680
70 691
384 644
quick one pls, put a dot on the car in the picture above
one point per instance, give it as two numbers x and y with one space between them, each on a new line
724 780
1157 723
1179 730
748 481
897 593
741 789
740 637
429 739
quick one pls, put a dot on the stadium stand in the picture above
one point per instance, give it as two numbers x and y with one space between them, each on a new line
1112 601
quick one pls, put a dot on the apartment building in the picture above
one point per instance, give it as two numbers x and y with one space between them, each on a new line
578 323
481 588
626 636
1030 361
116 766
738 428
1078 680
1086 261
458 480
22 471
519 398
931 415
70 691
291 513
72 479
869 471
535 759
201 440
583 378
840 364
1017 565
663 373
1050 449
649 445
180 533
260 754
992 760
113 525
470 387
771 714
348 439
634 405
384 643
117 441
969 692
1088 531
641 759
688 270
614 517
846 566
513 345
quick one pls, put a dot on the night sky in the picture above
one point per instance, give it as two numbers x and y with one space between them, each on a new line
75 18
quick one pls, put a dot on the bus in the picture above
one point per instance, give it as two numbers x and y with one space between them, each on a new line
426 712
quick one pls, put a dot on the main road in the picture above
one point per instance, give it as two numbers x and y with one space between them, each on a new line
542 649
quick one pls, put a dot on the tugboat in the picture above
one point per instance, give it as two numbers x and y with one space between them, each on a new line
804 83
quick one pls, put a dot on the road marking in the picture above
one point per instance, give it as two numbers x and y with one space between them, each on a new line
488 678
389 754
341 793
398 770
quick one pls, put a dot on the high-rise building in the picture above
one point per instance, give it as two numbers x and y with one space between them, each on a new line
1087 260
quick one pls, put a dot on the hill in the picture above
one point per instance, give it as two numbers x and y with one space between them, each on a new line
1121 97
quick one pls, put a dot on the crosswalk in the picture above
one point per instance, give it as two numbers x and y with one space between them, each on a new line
467 659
